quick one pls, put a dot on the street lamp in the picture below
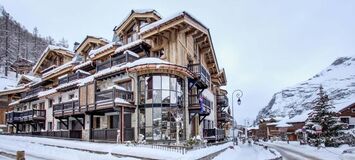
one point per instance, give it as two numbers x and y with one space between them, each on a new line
239 94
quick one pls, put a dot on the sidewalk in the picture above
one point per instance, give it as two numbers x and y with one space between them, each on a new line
52 149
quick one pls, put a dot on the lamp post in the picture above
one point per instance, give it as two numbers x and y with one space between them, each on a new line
239 94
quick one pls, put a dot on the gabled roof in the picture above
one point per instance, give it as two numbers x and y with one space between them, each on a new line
61 50
91 39
180 19
138 13
29 78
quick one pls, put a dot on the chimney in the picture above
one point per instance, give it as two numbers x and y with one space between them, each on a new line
76 45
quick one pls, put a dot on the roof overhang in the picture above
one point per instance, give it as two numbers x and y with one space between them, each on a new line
134 15
48 50
186 23
87 43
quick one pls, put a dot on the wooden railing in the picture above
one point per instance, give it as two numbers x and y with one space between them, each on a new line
24 116
111 94
201 72
76 134
32 91
12 117
66 108
115 61
104 134
72 77
222 100
224 116
214 134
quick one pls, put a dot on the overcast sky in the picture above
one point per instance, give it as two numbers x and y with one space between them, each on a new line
264 46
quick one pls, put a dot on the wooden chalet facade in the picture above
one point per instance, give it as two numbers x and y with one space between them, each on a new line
347 116
158 80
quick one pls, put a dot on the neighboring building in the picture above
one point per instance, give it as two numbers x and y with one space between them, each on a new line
22 66
158 80
347 115
267 128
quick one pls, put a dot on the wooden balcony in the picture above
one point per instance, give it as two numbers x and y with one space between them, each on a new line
13 117
72 77
124 58
202 76
26 116
195 104
106 98
224 116
214 134
66 109
32 92
222 101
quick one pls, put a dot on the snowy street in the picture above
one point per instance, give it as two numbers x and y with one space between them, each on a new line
295 151
246 152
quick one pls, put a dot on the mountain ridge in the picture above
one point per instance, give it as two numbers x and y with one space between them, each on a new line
338 80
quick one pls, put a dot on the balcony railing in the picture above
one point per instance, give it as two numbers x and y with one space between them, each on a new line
214 134
222 101
115 61
66 108
32 91
111 94
195 103
224 116
12 117
29 115
201 72
69 78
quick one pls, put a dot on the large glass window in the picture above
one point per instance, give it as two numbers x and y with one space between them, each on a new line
161 103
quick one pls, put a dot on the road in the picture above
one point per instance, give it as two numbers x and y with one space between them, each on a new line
291 154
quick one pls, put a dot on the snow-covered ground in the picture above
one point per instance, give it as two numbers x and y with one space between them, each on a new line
8 82
46 147
246 152
295 149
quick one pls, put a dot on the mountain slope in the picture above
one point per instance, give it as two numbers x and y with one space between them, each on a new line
338 80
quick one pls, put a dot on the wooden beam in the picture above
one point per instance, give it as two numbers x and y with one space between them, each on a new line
186 29
205 50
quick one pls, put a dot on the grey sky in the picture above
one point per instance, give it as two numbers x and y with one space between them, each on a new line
263 45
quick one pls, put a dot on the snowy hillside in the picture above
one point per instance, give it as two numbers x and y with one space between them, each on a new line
7 82
338 80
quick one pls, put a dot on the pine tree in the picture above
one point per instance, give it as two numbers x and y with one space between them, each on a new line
323 125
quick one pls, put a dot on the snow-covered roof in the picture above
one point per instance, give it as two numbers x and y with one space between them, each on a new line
116 87
282 125
131 53
168 19
141 61
59 68
89 62
32 78
121 101
94 52
160 22
81 71
140 11
14 102
47 92
253 127
128 46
